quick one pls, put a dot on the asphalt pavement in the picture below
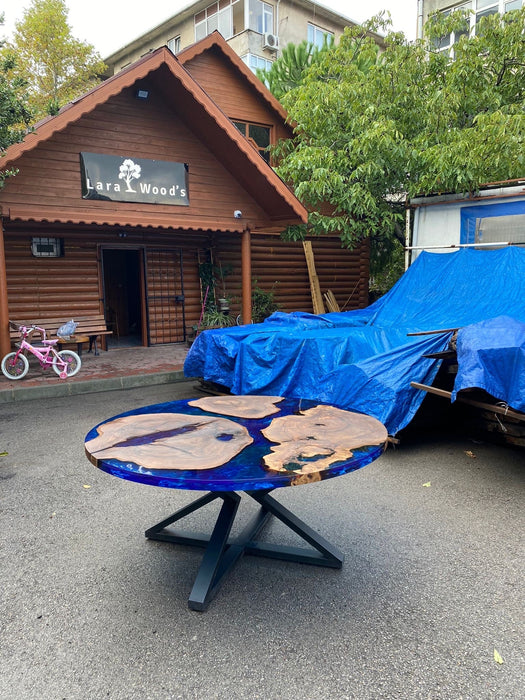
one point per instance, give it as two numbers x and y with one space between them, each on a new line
428 604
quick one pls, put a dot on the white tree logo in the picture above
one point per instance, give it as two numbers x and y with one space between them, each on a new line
129 171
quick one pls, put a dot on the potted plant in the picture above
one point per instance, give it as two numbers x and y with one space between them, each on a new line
263 302
215 318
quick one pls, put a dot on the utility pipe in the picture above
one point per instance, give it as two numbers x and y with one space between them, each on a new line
463 245
407 238
419 28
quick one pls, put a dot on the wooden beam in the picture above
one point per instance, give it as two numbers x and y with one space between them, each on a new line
443 330
478 404
5 341
246 273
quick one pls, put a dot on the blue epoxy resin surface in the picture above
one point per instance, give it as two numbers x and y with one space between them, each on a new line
296 442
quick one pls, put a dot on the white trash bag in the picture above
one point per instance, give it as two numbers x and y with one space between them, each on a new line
67 330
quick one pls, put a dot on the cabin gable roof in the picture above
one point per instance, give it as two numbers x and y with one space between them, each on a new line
208 122
215 43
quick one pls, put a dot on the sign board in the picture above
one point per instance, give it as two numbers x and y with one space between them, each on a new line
124 179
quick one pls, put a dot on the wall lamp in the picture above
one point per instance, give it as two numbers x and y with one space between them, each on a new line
142 94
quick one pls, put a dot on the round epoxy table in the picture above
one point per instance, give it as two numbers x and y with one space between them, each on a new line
231 446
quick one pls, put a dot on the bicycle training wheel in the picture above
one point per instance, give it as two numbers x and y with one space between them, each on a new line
72 360
15 369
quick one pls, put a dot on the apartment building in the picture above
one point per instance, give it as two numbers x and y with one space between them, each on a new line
255 29
478 9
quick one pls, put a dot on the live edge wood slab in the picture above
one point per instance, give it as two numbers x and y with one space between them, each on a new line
240 441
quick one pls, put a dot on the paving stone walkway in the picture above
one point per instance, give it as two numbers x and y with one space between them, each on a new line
116 368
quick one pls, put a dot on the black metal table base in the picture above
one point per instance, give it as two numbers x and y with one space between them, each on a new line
221 553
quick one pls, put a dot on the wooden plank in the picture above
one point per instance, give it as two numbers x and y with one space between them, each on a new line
432 390
445 355
315 289
493 408
442 330
215 76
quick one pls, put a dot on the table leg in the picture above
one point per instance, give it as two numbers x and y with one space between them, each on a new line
214 565
158 531
221 553
326 554
209 576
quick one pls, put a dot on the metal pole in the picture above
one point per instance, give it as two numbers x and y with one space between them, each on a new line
407 238
462 245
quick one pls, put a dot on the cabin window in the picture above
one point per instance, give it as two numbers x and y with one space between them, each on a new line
258 135
43 247
495 229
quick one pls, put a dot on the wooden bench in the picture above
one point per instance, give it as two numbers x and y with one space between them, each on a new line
89 329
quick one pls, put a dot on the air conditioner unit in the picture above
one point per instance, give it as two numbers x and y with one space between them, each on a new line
271 41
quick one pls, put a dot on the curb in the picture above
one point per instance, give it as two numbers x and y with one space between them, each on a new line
90 386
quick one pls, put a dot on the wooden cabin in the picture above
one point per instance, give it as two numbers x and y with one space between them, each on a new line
120 196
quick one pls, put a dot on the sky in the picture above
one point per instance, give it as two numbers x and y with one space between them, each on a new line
110 24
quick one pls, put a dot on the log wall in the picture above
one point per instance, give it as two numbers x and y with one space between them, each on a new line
45 200
72 285
281 266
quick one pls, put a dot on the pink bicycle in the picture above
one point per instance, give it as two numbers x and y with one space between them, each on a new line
15 365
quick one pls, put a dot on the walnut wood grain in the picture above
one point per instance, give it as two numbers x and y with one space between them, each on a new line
319 437
239 406
170 441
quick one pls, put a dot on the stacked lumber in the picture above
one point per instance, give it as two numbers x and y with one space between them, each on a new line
331 301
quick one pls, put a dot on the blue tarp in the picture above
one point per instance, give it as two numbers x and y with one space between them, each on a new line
491 356
380 385
364 360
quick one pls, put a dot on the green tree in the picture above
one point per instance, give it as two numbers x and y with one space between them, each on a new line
288 71
416 122
15 115
56 66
